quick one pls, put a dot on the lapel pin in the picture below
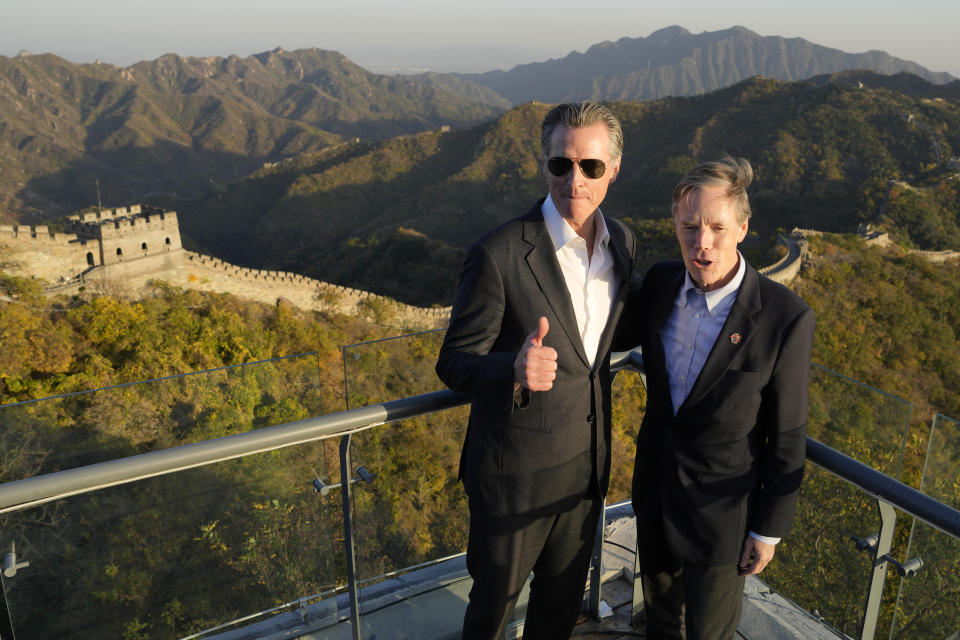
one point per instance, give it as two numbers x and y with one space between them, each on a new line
735 338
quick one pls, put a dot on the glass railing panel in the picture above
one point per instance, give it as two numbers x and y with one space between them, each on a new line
858 420
414 512
204 553
629 402
411 524
818 565
392 368
927 602
76 429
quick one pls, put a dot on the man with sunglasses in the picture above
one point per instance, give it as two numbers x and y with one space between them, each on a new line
529 342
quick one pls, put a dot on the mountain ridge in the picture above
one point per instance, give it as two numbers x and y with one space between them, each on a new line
674 61
205 121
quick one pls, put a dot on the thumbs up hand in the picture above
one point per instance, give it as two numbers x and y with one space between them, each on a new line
535 366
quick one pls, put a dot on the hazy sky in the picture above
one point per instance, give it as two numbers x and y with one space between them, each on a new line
373 32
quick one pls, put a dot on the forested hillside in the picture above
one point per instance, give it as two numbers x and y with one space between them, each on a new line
888 324
71 345
824 157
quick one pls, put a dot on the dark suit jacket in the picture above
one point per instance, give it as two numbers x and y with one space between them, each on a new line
543 457
732 458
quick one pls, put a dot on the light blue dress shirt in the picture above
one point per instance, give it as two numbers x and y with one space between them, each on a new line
691 330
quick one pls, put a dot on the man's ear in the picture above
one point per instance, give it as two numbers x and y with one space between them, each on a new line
743 231
616 170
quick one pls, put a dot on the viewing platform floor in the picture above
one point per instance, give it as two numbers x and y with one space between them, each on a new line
428 604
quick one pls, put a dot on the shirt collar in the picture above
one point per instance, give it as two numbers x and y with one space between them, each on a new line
562 233
715 297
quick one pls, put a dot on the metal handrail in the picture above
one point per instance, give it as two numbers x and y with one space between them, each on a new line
29 492
883 487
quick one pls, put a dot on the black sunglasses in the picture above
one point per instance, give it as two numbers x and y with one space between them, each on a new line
591 167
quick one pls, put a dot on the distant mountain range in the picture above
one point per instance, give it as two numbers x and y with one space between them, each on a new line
675 62
186 125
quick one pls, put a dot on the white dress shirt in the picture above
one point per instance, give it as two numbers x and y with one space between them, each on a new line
691 330
591 281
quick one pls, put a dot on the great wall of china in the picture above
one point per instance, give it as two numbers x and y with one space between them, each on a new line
124 251
788 266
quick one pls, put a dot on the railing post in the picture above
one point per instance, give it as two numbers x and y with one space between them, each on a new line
596 565
346 494
871 611
636 609
6 620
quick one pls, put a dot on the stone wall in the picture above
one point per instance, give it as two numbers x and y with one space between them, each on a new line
188 270
212 274
788 266
937 257
122 251
128 233
94 217
52 257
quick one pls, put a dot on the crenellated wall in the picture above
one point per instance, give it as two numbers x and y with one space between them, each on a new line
51 256
937 257
128 233
188 270
213 274
105 214
121 251
788 266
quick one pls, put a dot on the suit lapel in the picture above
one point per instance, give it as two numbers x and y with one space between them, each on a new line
662 305
621 256
734 337
542 260
622 265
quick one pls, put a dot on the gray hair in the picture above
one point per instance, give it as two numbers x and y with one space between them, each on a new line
574 115
733 174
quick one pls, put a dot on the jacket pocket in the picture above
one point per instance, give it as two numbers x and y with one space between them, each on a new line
528 418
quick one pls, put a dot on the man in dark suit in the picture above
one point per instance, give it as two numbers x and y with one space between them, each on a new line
529 342
720 453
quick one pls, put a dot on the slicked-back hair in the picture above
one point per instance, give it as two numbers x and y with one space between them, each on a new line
574 115
733 174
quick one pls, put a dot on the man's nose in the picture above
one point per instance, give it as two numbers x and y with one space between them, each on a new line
576 174
704 238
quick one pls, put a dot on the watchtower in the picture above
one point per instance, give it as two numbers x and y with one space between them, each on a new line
127 233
